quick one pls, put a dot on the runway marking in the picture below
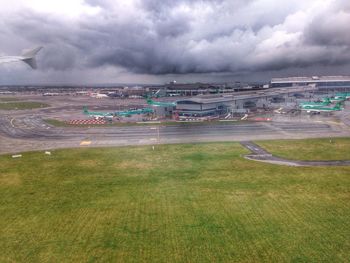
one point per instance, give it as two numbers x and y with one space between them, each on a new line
13 126
335 123
85 143
153 139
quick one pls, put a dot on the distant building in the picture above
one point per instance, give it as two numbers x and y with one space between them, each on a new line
322 82
174 89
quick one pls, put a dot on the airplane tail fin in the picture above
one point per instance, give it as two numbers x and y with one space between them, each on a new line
337 106
29 57
85 110
31 53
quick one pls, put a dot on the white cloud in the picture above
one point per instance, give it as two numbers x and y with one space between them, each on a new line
63 8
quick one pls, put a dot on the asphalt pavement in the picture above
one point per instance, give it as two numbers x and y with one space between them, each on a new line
25 132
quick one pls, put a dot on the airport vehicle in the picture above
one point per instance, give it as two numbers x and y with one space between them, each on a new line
311 104
337 107
277 100
298 95
27 57
160 104
98 115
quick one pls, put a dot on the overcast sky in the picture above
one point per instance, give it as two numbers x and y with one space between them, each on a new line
154 41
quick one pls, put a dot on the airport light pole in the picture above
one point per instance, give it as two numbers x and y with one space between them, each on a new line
158 134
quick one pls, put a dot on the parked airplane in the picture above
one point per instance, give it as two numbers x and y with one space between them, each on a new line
338 99
134 112
27 57
98 115
344 95
312 104
98 95
160 104
337 107
109 115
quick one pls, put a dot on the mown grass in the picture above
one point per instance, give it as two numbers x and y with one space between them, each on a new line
22 105
310 149
8 99
178 203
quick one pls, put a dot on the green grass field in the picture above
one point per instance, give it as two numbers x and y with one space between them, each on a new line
8 99
311 149
178 203
21 105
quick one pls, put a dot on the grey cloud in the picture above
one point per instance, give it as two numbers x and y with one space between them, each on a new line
162 41
173 26
59 58
331 30
163 6
56 37
100 3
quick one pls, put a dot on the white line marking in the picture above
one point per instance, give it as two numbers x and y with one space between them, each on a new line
13 126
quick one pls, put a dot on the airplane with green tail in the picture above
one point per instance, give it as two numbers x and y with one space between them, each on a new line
312 104
337 107
345 95
134 112
97 115
338 99
160 104
109 115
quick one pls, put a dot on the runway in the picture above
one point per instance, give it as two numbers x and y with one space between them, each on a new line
30 132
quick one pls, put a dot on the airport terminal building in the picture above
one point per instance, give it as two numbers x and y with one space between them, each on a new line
203 106
238 102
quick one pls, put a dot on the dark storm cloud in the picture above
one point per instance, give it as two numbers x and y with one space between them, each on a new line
198 36
56 36
330 30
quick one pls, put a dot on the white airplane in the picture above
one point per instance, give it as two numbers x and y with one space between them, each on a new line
27 57
98 95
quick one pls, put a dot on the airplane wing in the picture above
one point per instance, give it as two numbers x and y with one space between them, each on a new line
9 59
27 57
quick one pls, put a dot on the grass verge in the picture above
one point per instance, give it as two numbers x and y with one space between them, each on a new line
177 203
8 99
310 149
23 105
